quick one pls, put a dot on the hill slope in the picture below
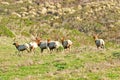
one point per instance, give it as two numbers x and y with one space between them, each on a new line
28 17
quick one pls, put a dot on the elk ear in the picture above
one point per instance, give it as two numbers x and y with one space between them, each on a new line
94 35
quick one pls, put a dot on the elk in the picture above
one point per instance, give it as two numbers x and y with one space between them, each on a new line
66 43
42 45
21 47
99 42
53 44
33 44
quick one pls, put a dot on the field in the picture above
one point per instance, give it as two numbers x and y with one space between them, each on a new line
77 20
81 63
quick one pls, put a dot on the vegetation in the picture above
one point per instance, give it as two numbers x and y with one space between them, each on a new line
6 32
85 63
76 20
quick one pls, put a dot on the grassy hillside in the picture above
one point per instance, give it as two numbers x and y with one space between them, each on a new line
81 63
76 20
28 17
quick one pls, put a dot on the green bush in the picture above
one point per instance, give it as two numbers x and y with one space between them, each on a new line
6 32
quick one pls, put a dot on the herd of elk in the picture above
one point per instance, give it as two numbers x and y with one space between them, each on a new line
51 44
43 44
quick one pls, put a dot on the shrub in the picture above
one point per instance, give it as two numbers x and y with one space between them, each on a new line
6 32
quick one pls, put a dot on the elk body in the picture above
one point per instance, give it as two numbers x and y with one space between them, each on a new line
33 44
42 45
53 44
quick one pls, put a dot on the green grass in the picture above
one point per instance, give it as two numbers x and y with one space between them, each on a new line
83 63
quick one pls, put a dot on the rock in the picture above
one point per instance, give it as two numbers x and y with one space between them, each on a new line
44 11
30 1
24 14
78 18
24 8
16 14
19 2
5 3
58 5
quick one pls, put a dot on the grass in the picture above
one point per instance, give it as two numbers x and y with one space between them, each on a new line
5 31
83 63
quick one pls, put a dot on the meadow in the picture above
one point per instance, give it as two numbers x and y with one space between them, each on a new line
81 63
76 20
